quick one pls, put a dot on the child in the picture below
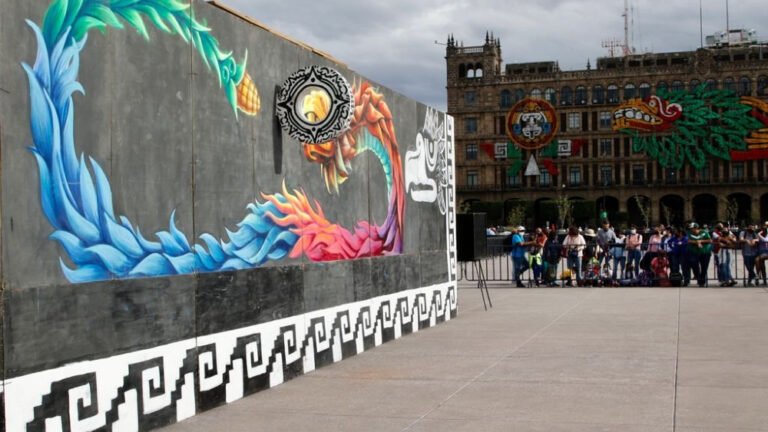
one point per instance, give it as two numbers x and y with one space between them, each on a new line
660 268
592 272
607 275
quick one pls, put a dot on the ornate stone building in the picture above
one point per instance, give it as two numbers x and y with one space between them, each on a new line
686 169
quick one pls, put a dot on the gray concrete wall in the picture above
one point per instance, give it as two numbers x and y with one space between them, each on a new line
156 120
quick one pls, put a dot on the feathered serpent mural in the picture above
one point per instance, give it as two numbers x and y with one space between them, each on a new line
76 195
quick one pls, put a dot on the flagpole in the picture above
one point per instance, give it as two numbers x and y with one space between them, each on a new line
701 26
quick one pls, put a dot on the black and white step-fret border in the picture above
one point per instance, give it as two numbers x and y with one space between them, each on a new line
146 389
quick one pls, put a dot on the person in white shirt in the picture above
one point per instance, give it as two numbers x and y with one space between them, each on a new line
574 245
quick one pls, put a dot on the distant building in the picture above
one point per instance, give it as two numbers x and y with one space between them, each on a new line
697 152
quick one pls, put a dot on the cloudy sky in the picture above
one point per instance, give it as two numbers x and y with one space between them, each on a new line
393 41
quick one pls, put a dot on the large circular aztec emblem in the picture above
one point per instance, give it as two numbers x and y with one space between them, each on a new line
315 105
532 123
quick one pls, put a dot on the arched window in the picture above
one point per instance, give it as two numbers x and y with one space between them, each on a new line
710 84
581 95
519 94
462 71
693 85
645 90
566 96
506 99
662 87
478 70
745 86
550 95
470 71
598 94
762 85
536 93
629 91
613 94
677 86
729 84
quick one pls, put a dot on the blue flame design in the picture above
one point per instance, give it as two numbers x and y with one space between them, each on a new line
76 196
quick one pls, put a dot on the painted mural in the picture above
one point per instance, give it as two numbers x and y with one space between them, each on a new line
426 173
679 128
76 195
532 123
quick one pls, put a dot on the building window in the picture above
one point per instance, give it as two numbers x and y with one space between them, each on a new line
613 94
737 172
605 119
729 84
566 96
638 175
762 85
471 151
670 175
544 178
662 87
694 84
472 178
677 86
470 125
629 91
606 176
606 146
506 99
710 84
574 120
536 93
574 176
519 94
550 96
703 174
513 179
745 86
470 97
581 95
598 95
645 90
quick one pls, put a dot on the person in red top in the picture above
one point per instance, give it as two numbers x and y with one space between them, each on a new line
660 268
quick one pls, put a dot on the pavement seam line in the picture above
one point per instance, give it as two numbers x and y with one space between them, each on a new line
494 364
677 360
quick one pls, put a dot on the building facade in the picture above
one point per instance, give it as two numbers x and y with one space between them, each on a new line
705 163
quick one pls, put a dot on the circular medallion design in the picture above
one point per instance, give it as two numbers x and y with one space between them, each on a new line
315 105
532 123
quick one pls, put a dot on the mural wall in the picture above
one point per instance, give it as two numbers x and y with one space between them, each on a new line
195 209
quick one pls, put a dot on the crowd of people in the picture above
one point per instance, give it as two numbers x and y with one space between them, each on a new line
661 256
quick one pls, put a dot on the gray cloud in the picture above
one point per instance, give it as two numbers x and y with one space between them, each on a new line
392 42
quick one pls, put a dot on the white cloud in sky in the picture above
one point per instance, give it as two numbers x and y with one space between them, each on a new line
392 42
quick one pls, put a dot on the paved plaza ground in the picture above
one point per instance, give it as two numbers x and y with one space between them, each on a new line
544 360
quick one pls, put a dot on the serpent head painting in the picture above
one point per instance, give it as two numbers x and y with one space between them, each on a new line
76 195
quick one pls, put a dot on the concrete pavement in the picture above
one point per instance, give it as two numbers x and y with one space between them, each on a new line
578 359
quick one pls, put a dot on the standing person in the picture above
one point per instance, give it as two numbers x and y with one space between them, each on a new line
762 253
519 263
699 252
722 243
552 250
634 243
748 239
574 245
618 253
605 237
678 255
654 246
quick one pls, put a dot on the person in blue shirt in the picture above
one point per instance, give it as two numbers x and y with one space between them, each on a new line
519 262
677 248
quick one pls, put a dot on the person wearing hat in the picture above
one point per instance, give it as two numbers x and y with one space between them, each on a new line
699 252
749 242
519 263
574 245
